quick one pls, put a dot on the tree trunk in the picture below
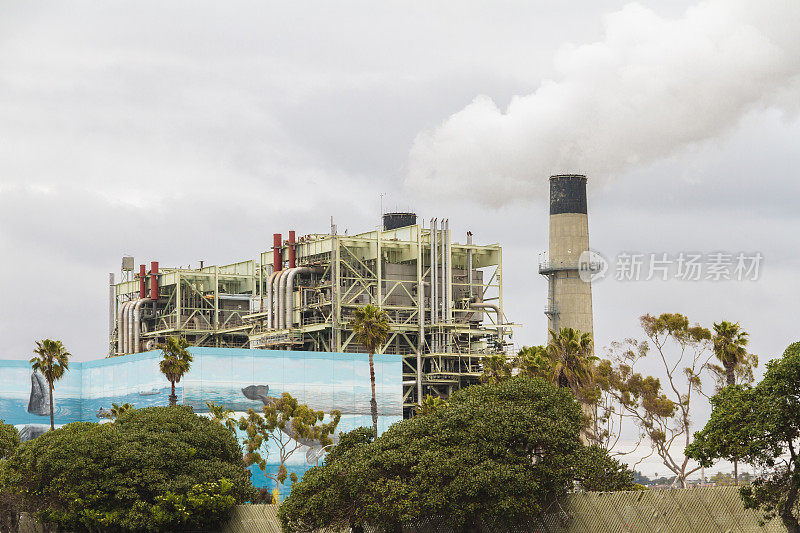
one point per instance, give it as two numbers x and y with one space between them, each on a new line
173 400
735 471
52 419
373 403
730 375
786 513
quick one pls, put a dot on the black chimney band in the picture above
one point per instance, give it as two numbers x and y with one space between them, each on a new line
567 194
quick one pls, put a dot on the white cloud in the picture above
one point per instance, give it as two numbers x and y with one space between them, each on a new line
649 88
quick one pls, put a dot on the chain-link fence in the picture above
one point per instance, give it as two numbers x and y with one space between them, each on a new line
698 510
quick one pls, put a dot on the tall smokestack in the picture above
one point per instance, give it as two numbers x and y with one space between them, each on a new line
569 298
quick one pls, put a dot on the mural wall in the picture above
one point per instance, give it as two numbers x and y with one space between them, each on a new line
237 378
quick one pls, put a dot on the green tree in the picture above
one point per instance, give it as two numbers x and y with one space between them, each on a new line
499 454
430 404
52 361
730 347
153 469
597 471
371 327
496 368
175 363
285 424
571 359
9 439
662 413
534 362
760 425
118 410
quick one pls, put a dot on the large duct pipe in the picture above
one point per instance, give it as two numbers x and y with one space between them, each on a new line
292 258
270 298
289 319
281 304
273 302
121 327
126 326
469 264
137 323
434 283
277 260
112 309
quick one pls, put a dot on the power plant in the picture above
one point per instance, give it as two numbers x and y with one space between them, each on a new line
569 295
444 301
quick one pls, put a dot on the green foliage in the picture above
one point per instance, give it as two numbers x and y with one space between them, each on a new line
284 422
496 368
430 404
730 347
52 361
498 454
175 362
117 410
761 426
571 360
144 472
371 326
534 362
598 471
9 439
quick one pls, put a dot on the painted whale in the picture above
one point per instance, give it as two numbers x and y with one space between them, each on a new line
39 400
315 451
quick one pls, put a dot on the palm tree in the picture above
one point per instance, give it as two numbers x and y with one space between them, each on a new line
534 362
175 362
570 353
371 327
730 347
51 360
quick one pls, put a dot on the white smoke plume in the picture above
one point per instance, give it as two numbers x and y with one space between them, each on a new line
650 87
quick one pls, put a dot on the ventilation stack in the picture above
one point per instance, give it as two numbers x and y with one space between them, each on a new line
569 298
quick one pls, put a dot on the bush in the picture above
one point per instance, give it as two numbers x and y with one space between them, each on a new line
497 455
153 469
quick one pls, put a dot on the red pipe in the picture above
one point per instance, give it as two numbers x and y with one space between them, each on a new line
142 282
154 281
291 250
277 261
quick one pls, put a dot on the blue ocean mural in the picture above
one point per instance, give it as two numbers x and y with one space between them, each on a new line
237 378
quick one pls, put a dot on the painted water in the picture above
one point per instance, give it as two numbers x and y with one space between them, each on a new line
325 381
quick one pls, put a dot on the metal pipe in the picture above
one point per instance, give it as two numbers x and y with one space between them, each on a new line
277 261
142 281
290 290
154 294
434 283
112 309
469 264
292 259
137 323
273 301
281 303
270 298
128 326
121 327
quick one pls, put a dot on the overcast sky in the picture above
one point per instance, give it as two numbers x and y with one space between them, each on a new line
177 133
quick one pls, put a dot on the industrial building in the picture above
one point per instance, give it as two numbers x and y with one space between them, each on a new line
444 301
